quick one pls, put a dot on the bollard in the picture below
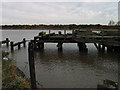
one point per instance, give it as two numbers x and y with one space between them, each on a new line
59 46
7 42
24 42
59 32
18 46
12 46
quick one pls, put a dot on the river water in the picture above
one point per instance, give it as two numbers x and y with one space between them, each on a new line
67 69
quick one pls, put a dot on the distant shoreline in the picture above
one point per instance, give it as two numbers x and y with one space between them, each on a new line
35 29
56 27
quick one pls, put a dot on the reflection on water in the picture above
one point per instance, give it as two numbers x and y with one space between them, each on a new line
69 68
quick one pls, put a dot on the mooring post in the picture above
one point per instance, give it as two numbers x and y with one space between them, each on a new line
72 34
99 47
103 48
32 65
24 42
18 45
49 34
59 32
64 34
82 46
42 45
59 46
12 46
7 42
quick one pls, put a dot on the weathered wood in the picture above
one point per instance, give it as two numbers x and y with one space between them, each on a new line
18 44
64 34
24 42
5 41
103 38
32 65
12 47
59 32
59 45
82 46
49 34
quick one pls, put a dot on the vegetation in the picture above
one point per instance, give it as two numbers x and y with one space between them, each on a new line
58 26
11 77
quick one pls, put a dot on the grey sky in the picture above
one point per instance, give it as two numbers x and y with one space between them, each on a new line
59 12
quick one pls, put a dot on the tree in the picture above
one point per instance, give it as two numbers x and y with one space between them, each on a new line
111 22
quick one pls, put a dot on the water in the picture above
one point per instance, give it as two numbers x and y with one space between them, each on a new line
67 69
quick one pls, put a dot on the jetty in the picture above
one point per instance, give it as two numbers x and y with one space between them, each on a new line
102 38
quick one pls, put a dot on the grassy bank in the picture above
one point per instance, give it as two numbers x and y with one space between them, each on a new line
11 77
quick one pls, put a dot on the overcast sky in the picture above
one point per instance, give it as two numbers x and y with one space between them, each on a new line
59 12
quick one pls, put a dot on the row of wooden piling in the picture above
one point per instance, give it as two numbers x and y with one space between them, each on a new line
12 44
103 48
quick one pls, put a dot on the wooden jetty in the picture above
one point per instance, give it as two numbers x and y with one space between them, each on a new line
5 42
12 44
100 37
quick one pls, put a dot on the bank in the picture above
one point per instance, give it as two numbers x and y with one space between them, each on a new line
12 77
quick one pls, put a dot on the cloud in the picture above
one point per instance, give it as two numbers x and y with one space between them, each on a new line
60 0
58 13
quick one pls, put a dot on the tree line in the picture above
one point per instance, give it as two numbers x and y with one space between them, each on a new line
57 26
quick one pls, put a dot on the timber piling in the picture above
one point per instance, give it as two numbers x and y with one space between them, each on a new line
12 44
5 42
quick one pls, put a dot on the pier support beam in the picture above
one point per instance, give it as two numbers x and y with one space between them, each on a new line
59 46
41 45
103 48
82 46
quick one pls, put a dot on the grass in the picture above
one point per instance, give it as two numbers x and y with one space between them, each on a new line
11 78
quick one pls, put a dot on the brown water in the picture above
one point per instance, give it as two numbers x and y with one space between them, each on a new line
67 69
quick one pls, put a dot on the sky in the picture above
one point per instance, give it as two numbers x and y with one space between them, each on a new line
59 12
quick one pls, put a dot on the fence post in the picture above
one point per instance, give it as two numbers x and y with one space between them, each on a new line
31 65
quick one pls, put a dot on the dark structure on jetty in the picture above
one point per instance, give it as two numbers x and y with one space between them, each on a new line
109 38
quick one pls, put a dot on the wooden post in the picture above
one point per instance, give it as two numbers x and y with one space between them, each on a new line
31 65
42 45
7 42
99 47
19 46
59 32
72 34
64 34
82 46
59 46
24 42
103 48
49 34
12 46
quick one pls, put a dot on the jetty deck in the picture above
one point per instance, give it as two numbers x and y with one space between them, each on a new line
105 37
